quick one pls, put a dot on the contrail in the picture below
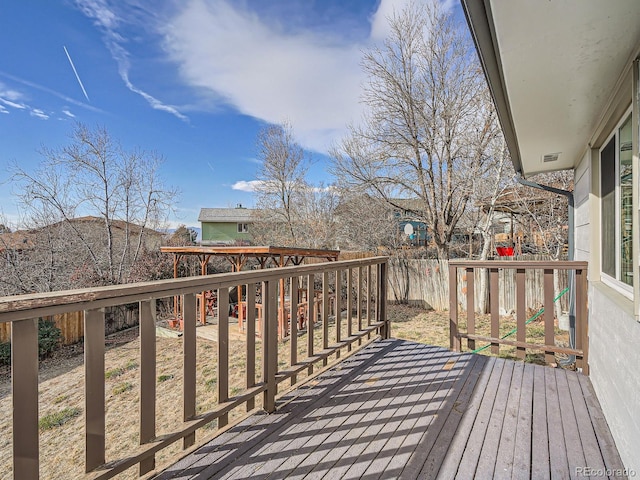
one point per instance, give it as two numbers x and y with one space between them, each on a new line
76 72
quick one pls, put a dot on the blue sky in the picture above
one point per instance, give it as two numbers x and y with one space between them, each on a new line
193 80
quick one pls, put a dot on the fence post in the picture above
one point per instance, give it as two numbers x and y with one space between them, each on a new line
454 339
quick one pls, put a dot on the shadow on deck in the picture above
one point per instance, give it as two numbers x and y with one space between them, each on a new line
400 409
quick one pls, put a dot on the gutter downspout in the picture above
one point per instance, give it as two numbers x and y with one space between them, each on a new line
572 274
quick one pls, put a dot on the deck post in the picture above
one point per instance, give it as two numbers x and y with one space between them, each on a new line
454 339
582 320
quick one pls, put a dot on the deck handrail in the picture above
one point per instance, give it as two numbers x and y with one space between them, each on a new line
359 276
580 350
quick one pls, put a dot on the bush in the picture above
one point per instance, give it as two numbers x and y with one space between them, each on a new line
5 353
48 337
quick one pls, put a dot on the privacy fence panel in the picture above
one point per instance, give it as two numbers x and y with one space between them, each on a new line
426 283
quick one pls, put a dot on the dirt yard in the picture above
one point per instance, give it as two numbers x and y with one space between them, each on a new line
62 389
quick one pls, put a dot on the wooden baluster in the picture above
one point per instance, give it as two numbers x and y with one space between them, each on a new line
293 324
147 413
549 335
189 363
94 401
471 307
251 342
24 385
349 305
312 315
223 351
325 314
521 311
495 309
270 343
454 338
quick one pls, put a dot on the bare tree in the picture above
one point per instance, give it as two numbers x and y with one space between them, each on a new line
281 186
93 177
430 124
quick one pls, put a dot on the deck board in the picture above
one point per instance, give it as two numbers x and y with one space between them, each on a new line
400 409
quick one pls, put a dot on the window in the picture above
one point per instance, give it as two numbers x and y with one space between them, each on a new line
243 228
616 189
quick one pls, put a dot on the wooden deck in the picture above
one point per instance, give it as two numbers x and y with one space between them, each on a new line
400 409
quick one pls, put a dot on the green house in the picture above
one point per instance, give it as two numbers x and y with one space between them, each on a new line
225 226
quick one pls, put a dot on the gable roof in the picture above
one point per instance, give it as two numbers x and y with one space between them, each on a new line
225 215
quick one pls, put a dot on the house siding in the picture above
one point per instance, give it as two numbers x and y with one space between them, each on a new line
613 371
222 233
614 357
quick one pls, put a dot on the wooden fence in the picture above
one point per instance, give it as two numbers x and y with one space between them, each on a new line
426 283
71 324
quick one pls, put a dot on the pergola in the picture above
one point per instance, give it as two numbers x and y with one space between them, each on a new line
238 256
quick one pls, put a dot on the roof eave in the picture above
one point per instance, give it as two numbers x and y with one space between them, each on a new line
480 21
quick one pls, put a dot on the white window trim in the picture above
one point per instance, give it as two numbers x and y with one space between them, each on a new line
618 285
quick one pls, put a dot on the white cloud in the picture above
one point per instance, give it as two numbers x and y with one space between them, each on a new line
68 114
309 79
245 186
19 106
36 112
106 19
3 110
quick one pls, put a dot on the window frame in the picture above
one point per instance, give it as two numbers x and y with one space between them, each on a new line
615 282
242 227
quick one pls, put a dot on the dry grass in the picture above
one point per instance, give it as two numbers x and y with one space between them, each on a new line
420 325
61 445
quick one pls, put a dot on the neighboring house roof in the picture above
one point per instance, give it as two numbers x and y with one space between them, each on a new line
225 215
20 240
119 224
552 68
24 239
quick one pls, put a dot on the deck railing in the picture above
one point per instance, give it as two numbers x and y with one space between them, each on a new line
359 287
544 314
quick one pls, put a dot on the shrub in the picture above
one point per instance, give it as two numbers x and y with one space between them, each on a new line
5 353
48 337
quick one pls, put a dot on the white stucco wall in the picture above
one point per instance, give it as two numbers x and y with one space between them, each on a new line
614 334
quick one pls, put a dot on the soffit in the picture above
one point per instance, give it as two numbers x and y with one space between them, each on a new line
558 66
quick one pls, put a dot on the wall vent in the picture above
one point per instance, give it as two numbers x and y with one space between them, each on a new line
550 157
